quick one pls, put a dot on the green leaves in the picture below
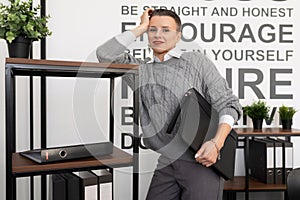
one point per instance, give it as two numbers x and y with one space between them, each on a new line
23 18
10 36
20 19
286 113
2 32
257 110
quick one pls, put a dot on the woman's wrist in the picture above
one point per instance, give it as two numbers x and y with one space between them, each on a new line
139 30
218 148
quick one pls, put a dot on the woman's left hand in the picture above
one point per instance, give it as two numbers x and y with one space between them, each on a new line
207 155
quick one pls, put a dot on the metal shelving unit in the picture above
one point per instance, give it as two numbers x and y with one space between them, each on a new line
245 183
16 165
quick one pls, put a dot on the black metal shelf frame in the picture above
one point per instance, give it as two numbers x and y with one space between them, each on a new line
43 71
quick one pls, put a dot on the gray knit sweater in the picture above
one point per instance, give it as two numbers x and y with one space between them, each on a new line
161 87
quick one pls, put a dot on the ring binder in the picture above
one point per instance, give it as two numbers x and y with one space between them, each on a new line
261 161
287 157
58 187
278 160
55 154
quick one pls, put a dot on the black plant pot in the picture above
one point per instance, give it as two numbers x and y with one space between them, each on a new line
257 124
19 47
286 124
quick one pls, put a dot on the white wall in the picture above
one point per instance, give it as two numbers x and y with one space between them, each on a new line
79 27
2 117
3 54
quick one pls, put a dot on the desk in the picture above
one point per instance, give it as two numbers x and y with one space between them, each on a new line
247 184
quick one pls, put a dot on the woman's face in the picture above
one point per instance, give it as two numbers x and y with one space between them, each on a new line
162 35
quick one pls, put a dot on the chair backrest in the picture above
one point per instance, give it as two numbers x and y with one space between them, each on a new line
293 184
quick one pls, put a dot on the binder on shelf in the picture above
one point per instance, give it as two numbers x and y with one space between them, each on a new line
103 175
87 182
55 154
95 184
288 157
278 160
104 186
261 163
57 187
73 189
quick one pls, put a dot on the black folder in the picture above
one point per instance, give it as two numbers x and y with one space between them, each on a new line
88 184
278 160
199 123
91 181
261 163
287 157
63 153
58 185
104 179
74 191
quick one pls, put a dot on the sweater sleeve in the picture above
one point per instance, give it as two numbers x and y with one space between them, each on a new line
113 51
217 90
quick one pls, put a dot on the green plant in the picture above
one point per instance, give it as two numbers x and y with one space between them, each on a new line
286 113
257 110
21 19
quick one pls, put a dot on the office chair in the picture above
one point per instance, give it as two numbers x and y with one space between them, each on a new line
293 184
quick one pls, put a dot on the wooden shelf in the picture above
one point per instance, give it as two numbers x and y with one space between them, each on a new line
23 166
24 61
272 131
238 184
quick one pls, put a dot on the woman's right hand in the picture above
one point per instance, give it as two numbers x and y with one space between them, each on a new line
145 17
143 27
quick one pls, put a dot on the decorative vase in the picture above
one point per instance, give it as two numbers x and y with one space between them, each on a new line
19 47
286 124
257 124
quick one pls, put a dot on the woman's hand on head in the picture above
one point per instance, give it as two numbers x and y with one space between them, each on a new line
145 17
144 24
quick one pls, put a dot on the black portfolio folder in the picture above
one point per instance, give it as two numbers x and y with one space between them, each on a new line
64 153
199 123
261 162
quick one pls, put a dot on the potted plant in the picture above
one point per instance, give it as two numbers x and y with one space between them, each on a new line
257 111
20 25
286 116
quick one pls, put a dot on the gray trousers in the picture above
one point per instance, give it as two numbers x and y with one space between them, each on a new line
184 180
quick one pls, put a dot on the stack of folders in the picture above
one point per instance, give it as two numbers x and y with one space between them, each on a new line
85 185
271 159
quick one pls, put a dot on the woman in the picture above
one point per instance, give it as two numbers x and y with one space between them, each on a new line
180 173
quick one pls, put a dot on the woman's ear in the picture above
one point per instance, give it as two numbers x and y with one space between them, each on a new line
178 36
